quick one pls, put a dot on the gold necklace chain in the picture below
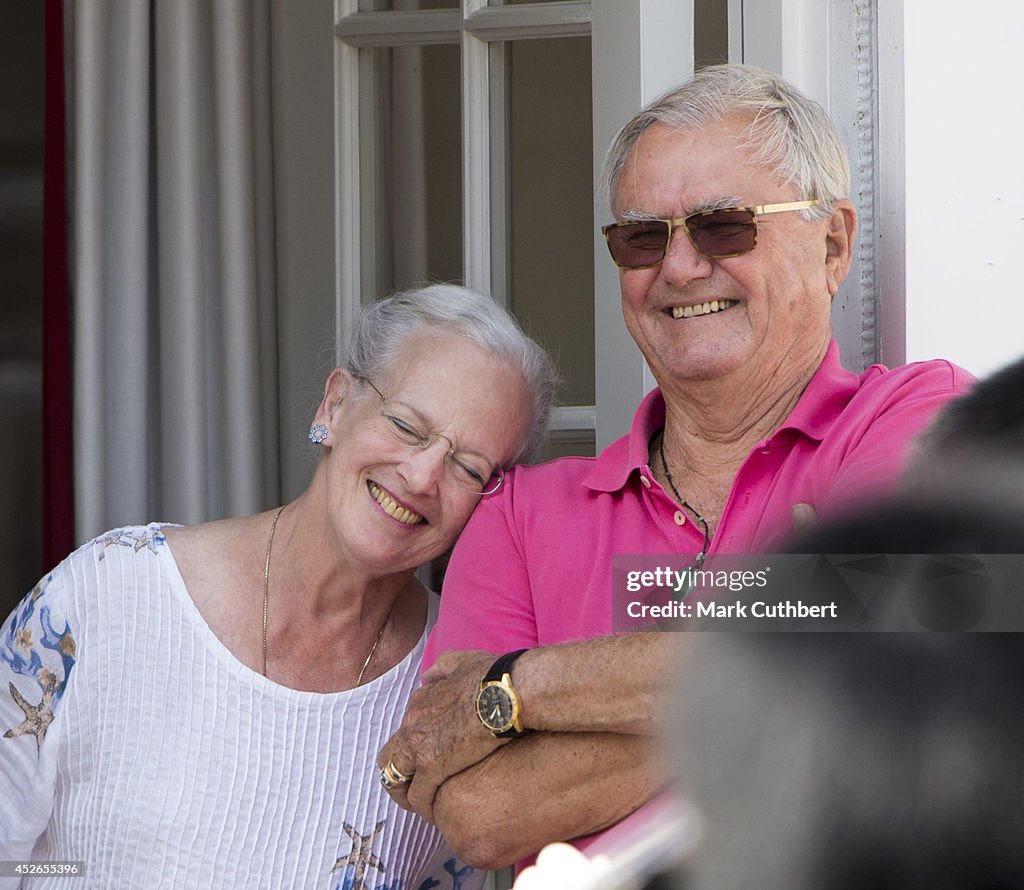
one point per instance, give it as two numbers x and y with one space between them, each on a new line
266 605
266 585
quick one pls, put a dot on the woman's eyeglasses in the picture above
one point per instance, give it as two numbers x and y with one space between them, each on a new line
717 234
468 470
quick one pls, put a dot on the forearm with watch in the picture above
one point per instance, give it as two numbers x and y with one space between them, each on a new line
607 684
588 762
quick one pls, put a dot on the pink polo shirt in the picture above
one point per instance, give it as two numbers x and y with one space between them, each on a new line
533 566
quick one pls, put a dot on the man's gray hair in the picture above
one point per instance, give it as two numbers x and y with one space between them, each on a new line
788 133
380 332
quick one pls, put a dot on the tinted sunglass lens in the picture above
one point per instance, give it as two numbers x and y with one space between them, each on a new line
639 244
723 232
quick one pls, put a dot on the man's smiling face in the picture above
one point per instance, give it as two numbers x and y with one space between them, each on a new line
752 316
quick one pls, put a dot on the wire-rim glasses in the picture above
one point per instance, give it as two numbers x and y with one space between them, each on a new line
469 471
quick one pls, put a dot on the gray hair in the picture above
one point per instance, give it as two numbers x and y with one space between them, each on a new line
382 328
788 133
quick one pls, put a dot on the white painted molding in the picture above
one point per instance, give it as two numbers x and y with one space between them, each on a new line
528 22
348 267
487 23
574 418
400 28
476 157
891 207
827 49
640 48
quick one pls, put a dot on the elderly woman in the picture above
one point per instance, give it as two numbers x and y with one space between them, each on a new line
202 706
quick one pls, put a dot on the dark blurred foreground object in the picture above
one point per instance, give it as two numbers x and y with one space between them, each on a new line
824 761
941 563
925 524
974 447
878 760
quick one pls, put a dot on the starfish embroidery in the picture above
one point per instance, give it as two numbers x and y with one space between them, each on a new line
136 540
37 717
361 856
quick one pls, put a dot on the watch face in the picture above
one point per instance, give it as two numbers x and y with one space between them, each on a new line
495 708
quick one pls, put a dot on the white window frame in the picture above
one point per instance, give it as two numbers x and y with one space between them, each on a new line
828 49
639 48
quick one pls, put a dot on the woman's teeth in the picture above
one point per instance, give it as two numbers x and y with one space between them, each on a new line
702 308
394 509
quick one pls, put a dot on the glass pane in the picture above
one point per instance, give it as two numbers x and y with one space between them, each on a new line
405 5
549 219
579 445
710 32
412 168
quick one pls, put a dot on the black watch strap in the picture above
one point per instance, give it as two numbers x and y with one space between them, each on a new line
503 665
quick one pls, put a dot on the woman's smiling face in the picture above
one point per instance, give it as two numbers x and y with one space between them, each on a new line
394 506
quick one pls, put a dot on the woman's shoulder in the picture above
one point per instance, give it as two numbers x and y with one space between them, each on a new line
83 567
216 559
74 603
218 546
206 538
126 540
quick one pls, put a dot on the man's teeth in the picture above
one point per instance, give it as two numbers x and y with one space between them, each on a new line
394 509
702 309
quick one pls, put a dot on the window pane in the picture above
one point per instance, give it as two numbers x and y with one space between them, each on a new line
710 33
549 275
412 168
405 5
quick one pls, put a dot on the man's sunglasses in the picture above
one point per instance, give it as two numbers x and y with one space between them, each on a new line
718 234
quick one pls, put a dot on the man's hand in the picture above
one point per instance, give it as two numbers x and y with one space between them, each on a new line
440 734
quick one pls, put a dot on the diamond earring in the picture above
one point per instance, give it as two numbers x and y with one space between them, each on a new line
317 433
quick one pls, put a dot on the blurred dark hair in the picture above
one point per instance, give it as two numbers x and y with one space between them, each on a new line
852 760
915 523
975 444
855 760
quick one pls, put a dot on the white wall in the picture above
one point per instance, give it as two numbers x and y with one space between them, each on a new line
964 178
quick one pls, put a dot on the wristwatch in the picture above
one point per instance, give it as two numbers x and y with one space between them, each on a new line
497 703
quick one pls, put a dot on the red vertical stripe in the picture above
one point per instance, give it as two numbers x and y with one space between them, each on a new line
58 498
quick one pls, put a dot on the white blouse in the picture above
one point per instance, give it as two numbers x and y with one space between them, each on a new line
133 741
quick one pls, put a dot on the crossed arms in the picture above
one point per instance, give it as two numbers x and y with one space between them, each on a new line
593 711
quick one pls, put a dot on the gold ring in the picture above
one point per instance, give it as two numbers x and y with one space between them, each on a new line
392 777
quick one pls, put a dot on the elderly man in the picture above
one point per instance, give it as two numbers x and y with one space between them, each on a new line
733 232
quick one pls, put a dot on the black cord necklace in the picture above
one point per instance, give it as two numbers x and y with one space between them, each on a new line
699 560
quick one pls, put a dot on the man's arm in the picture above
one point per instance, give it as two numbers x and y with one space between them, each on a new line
607 684
502 590
600 689
544 787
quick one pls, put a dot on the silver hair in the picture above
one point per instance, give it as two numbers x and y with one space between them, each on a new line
383 327
788 133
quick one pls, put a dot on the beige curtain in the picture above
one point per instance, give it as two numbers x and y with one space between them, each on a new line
175 335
